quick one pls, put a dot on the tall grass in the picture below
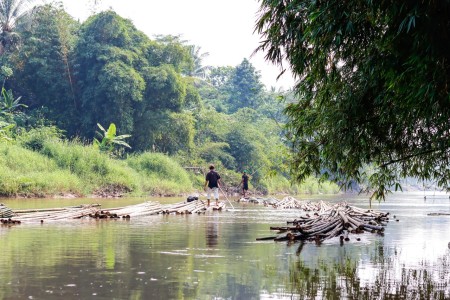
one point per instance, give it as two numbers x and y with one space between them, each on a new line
96 169
40 164
160 174
27 173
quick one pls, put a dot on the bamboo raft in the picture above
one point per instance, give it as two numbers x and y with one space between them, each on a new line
330 221
94 211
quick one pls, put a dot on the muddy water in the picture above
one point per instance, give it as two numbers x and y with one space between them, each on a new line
216 255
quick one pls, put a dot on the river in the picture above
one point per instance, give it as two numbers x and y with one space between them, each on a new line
216 255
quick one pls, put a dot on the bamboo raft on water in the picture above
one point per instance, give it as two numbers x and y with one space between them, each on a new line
94 211
330 221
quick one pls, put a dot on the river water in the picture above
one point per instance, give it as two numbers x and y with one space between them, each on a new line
216 255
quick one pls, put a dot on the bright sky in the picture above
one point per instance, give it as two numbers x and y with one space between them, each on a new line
224 28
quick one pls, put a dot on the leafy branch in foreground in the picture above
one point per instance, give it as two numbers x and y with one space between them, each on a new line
373 88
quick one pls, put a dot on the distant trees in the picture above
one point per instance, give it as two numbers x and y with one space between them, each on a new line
245 87
238 87
156 93
373 89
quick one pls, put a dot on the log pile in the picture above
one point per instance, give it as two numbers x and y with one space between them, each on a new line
5 212
320 207
334 220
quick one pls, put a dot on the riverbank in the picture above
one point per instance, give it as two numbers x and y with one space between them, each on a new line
64 169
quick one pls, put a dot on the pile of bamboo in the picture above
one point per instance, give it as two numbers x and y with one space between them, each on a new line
336 220
288 203
319 207
56 214
5 212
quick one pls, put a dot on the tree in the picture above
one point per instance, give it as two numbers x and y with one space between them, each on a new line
171 50
164 131
44 66
246 87
109 56
237 87
11 13
373 87
198 69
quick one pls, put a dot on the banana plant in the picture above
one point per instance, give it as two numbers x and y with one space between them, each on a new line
5 129
8 104
108 139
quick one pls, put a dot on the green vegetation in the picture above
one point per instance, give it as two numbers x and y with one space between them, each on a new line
164 110
61 167
373 89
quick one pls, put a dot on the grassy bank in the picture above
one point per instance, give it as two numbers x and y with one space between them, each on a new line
51 167
60 168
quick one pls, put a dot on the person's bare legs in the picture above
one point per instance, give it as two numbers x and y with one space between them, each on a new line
208 194
216 195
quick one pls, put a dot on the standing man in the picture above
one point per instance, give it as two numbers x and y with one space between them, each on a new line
212 183
244 182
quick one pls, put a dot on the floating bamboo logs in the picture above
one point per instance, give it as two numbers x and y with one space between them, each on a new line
93 211
142 209
330 221
67 213
9 222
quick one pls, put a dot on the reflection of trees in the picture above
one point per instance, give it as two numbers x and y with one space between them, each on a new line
334 280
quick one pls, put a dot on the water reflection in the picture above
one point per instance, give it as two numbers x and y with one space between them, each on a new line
212 233
323 278
216 256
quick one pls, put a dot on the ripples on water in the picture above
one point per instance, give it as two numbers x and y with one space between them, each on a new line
216 256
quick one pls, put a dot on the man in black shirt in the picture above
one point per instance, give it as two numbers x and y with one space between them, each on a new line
212 183
244 183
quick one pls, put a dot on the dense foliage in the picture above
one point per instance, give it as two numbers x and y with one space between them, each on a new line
372 89
106 86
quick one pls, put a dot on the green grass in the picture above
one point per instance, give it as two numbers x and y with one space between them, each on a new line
41 166
160 174
58 167
27 173
97 170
